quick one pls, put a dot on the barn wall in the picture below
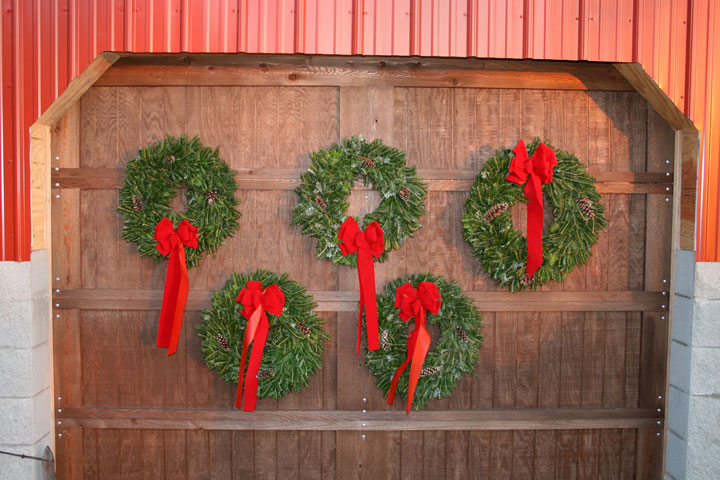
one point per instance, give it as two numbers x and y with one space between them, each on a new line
46 43
569 356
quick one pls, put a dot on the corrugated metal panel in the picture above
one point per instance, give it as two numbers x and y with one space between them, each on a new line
46 43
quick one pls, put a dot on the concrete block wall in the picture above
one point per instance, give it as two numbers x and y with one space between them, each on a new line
25 400
694 398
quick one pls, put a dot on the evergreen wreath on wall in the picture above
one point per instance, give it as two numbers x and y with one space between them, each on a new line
502 250
294 344
324 190
455 354
153 179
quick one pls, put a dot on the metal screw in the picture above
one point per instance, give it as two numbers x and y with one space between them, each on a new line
664 293
59 423
663 307
364 424
57 290
667 199
59 410
659 422
664 281
662 318
659 397
59 434
57 315
57 279
57 169
657 434
659 410
57 196
364 411
57 184
366 196
57 158
364 399
57 305
667 189
363 436
667 161
667 174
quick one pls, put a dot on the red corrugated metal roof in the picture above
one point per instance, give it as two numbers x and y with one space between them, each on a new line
46 43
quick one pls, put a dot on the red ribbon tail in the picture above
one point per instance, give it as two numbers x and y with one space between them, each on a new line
368 299
174 299
251 381
535 217
359 333
398 373
418 358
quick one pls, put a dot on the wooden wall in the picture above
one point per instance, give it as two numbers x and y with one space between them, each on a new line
569 376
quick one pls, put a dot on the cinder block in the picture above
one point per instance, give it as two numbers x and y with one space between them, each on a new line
676 456
685 273
15 372
16 283
707 280
15 323
704 371
680 366
40 320
683 319
678 406
706 323
703 458
39 273
41 415
40 368
16 427
16 468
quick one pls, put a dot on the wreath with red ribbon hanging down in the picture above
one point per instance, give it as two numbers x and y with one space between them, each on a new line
322 211
262 334
405 365
152 180
531 175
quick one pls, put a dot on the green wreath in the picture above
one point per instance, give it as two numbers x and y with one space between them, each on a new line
294 343
456 352
502 250
325 187
151 182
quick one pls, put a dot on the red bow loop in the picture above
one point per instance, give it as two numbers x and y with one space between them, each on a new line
256 302
171 242
539 169
414 303
369 243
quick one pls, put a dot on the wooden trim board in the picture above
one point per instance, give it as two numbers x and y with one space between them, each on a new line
346 301
521 419
437 180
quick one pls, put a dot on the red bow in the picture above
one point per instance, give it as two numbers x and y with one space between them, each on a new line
540 170
413 303
367 244
171 241
255 303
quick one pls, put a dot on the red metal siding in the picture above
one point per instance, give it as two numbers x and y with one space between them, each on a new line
46 43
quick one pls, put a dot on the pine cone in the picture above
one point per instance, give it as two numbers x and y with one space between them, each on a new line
212 196
427 371
586 207
304 329
462 334
223 342
265 374
384 340
368 162
137 204
527 280
169 159
404 194
495 211
321 203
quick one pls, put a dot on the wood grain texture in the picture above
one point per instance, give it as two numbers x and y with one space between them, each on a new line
579 346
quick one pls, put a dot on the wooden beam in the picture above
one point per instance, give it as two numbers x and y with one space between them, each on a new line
525 419
437 180
658 100
346 301
688 182
77 87
318 70
40 147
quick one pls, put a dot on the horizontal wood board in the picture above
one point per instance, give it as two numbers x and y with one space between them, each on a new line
569 353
